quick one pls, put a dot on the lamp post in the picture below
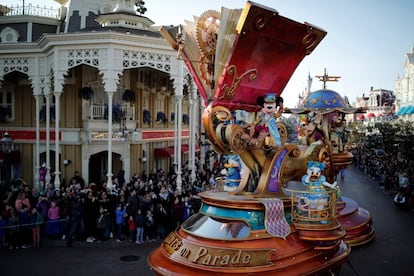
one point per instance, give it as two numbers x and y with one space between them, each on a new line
6 147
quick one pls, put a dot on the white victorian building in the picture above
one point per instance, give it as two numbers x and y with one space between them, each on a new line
92 88
404 88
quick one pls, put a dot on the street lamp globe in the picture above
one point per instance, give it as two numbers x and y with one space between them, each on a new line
6 143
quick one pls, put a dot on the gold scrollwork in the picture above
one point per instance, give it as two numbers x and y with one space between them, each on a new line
310 40
260 23
228 92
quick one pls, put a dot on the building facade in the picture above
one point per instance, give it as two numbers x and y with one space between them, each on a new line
379 104
404 88
94 88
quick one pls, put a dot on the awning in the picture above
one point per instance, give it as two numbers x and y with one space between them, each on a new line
371 115
403 110
164 152
360 117
185 148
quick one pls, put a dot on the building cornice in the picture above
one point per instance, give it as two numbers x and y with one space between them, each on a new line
24 19
76 40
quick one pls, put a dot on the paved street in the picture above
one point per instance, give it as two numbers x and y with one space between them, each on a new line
389 254
391 251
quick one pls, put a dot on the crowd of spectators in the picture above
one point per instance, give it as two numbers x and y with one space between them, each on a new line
394 174
146 207
143 209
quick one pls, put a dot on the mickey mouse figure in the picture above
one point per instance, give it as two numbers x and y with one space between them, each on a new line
265 125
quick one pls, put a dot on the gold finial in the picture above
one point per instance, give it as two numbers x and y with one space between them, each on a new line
325 78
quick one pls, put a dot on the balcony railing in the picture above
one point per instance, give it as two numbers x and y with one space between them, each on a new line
29 9
100 112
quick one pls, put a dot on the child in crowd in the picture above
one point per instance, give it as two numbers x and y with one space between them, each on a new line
131 227
37 220
54 226
149 226
101 224
120 213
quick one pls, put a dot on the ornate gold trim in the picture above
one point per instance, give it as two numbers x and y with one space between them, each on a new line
228 92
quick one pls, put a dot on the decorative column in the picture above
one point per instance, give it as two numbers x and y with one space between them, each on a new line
179 103
47 178
193 132
111 72
109 184
178 90
57 136
37 147
175 132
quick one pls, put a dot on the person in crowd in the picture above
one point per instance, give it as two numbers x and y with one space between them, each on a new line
42 176
77 179
74 218
33 196
53 227
121 178
134 178
177 210
91 216
106 203
161 220
3 225
101 225
13 226
120 213
42 206
131 228
132 203
140 224
149 228
188 209
50 190
36 222
22 203
22 207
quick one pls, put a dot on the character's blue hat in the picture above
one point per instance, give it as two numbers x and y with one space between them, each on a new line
270 97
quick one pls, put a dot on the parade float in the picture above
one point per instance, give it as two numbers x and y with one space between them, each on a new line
283 215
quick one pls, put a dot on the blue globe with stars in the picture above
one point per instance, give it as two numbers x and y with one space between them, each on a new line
324 99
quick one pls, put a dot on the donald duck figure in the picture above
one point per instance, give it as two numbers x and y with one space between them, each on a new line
232 174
